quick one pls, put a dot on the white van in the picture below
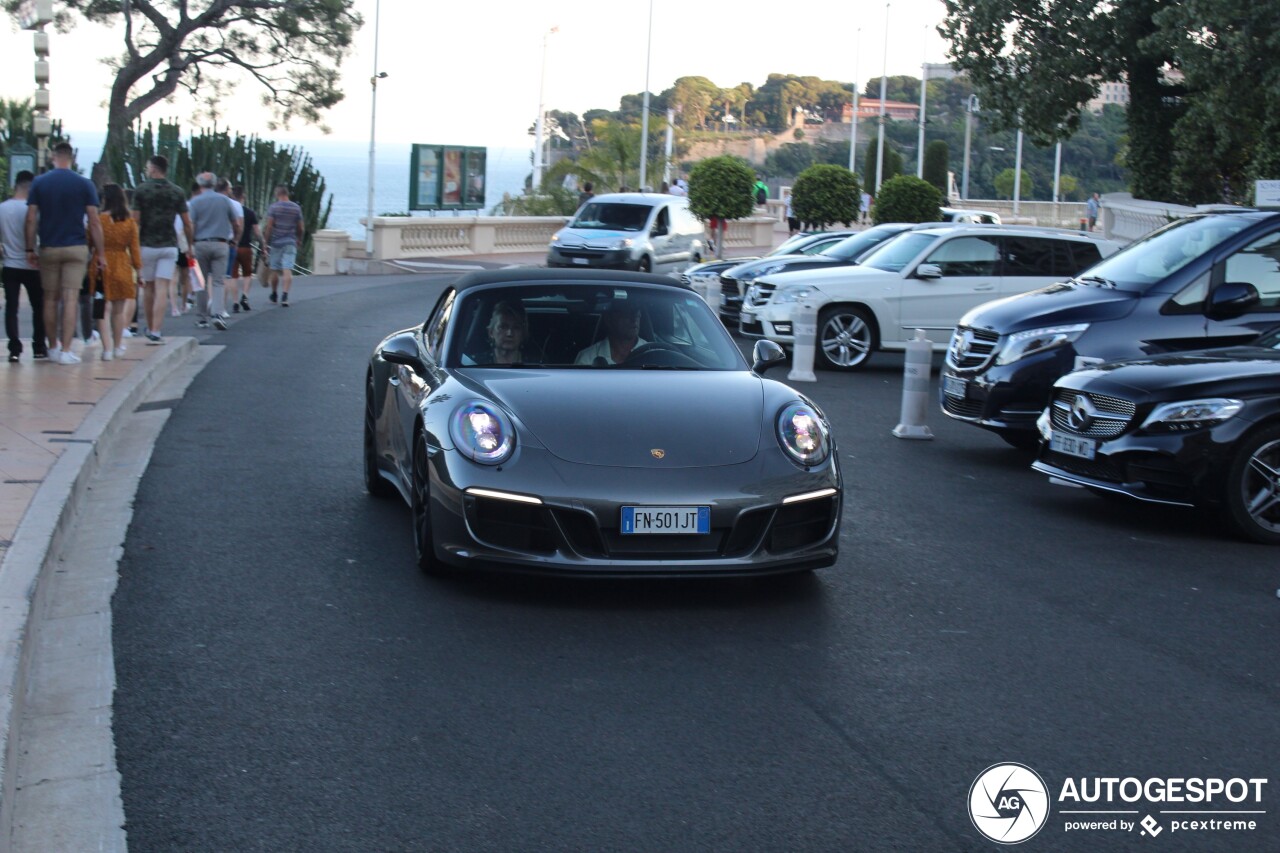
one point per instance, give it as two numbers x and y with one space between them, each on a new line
648 232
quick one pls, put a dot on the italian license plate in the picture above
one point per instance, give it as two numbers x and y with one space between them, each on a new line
1072 445
666 519
579 260
954 386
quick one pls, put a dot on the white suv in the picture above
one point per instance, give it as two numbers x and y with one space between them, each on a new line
922 279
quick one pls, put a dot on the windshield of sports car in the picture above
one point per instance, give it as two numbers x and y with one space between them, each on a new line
896 252
588 326
611 216
1151 259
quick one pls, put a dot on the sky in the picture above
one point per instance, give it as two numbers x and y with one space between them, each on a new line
469 74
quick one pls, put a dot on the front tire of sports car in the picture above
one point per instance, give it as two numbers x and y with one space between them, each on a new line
1253 487
373 482
846 338
423 542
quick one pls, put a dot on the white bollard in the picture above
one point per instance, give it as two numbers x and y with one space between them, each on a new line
804 329
915 388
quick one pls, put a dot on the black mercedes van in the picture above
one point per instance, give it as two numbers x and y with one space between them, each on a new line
1210 280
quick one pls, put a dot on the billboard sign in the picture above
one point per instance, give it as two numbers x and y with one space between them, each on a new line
447 177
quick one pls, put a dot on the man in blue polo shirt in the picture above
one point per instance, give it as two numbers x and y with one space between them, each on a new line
59 205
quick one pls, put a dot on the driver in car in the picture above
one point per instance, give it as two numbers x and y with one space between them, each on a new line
622 335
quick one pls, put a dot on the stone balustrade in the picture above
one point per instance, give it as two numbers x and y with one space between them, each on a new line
405 237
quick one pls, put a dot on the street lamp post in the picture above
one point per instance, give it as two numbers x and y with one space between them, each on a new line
924 92
39 15
853 136
373 127
971 109
644 120
884 93
538 124
1017 171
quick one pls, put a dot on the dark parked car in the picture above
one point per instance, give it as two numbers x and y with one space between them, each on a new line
708 272
1190 429
598 424
1207 281
801 245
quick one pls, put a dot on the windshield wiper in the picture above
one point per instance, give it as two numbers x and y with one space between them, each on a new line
1095 281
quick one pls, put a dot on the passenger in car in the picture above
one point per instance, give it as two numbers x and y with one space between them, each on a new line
622 335
508 332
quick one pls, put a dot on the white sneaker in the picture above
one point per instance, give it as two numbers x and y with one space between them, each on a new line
120 350
93 340
127 333
68 358
108 355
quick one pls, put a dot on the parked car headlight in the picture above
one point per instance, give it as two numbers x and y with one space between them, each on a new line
802 432
482 433
1191 414
1022 344
793 293
624 243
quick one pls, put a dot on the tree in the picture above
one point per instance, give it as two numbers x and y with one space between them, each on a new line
1004 184
292 48
936 166
892 163
720 188
906 198
790 159
1037 62
824 194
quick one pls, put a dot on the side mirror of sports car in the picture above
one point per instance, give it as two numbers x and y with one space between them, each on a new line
766 354
403 349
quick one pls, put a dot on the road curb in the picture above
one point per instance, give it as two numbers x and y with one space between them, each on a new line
39 540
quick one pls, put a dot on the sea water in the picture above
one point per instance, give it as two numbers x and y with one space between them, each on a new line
344 165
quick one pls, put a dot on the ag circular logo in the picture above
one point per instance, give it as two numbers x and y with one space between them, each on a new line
1008 803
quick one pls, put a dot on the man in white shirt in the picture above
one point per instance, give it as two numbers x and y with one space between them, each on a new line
622 328
18 274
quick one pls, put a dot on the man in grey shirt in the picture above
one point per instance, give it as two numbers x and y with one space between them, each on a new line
217 230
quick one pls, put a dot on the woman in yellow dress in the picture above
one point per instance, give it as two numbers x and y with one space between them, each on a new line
124 264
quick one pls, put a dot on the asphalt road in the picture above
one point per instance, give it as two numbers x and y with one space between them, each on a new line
288 680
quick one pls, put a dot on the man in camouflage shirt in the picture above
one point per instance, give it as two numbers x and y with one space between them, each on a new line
155 204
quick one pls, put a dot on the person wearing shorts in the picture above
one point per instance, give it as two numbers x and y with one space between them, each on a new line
155 203
58 205
282 234
242 262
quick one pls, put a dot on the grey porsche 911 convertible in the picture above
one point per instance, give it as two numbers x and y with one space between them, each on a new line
593 423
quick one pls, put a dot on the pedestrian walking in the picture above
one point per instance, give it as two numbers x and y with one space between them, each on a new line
231 290
282 234
864 208
59 204
243 266
588 193
157 205
1091 209
217 230
19 275
117 282
761 192
680 188
793 221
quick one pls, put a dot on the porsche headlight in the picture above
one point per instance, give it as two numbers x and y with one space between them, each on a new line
802 432
482 433
793 293
1022 344
1187 415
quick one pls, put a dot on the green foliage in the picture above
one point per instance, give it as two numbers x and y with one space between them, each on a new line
824 194
906 198
256 164
936 165
789 160
892 163
1004 184
1069 189
721 187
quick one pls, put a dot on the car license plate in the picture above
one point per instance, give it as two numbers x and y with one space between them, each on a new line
1071 445
579 260
954 386
666 519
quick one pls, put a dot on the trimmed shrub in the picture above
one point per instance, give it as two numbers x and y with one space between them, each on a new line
824 194
907 199
936 155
